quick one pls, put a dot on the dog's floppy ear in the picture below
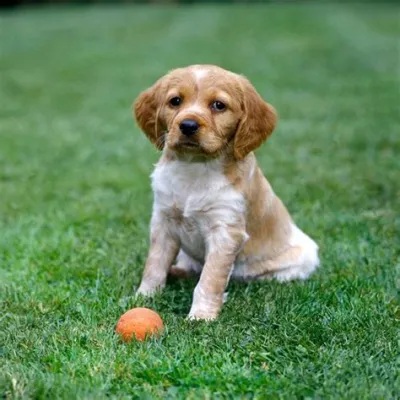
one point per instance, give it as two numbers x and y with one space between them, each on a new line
257 124
146 110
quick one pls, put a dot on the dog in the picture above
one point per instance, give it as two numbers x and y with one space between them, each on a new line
214 212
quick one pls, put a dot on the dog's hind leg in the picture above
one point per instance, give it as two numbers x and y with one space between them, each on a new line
294 263
297 261
185 266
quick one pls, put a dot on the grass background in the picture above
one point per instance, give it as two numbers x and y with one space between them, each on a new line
75 203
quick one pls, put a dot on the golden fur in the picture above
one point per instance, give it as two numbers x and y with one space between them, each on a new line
214 210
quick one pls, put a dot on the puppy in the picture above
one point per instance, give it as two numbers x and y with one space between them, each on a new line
214 213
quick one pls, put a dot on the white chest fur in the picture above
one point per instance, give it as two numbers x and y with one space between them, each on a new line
195 198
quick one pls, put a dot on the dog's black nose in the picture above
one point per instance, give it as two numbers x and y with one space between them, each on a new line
189 127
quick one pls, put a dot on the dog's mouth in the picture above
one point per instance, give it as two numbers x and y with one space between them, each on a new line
187 144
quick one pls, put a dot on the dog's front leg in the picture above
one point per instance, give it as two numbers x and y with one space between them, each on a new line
223 247
164 247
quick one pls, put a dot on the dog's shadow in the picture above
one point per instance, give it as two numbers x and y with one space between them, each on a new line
178 294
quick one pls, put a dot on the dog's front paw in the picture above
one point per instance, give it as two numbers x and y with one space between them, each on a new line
202 316
147 290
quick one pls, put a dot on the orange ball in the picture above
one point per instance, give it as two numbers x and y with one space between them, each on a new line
139 322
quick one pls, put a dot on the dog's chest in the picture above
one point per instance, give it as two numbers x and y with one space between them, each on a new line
195 198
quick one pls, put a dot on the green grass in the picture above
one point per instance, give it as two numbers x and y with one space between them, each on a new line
75 203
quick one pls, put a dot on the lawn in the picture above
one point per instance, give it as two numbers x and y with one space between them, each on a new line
75 203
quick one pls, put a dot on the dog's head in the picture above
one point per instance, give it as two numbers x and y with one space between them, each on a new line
204 110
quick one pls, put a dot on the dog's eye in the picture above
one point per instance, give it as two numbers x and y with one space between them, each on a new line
218 106
175 101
